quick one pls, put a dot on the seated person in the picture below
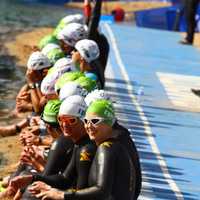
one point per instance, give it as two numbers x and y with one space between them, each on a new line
37 65
123 136
112 172
70 35
75 175
85 55
36 152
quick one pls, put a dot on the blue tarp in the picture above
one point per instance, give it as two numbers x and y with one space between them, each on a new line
172 1
168 18
155 61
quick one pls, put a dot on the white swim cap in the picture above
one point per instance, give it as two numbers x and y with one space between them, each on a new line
72 33
71 88
96 95
38 61
74 106
88 49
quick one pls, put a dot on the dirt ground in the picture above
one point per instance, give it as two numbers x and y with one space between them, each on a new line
24 43
107 7
11 149
21 48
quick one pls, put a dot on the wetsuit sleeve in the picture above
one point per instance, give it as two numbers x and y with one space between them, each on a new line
57 181
84 161
94 21
104 180
60 181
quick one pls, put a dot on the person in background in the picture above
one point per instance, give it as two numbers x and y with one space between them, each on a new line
118 14
87 10
92 19
85 54
29 96
190 9
70 35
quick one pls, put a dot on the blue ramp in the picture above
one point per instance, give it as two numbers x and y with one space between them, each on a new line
150 76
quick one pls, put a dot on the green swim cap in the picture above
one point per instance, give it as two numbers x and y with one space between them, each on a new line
51 111
86 83
2 189
55 54
104 109
59 28
66 77
51 70
46 40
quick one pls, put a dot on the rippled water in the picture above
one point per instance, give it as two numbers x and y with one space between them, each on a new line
15 17
16 12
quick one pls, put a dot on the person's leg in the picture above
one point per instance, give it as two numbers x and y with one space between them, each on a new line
191 8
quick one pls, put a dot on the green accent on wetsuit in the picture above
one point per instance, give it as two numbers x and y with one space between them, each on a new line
111 175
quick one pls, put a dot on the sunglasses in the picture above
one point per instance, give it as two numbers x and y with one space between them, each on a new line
94 121
68 120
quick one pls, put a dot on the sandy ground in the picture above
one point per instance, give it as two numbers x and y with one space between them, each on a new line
10 149
107 7
24 43
21 47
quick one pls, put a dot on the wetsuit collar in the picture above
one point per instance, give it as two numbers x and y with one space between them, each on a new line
82 140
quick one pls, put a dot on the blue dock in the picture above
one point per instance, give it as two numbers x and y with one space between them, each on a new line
150 76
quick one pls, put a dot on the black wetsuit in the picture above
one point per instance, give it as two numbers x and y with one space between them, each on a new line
100 64
59 156
123 135
76 173
111 176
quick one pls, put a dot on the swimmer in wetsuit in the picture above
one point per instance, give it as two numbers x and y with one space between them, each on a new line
111 175
76 174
